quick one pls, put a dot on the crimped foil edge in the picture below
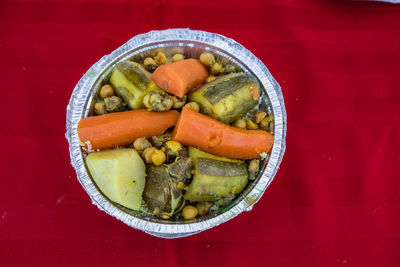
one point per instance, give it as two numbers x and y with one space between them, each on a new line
78 108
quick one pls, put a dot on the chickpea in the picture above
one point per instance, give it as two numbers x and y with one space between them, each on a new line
207 59
159 140
254 165
106 91
251 125
113 103
100 108
157 101
165 216
150 64
173 146
160 58
217 69
177 57
148 152
193 106
166 103
265 124
158 157
259 115
178 102
141 144
202 208
240 124
189 212
229 68
210 78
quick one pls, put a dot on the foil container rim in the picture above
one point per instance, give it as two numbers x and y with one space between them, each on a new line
82 90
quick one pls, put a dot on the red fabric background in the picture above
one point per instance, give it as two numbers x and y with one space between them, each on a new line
335 200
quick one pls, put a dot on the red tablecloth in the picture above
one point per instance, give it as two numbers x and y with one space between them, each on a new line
336 198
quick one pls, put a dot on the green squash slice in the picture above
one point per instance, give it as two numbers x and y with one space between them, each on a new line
215 177
228 97
132 82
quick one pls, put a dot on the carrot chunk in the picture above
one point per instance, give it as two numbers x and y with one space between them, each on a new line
180 77
203 132
122 128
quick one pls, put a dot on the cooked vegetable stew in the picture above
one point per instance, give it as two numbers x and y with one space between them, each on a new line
176 137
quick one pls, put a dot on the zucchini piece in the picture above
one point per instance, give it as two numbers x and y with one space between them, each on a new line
228 97
132 82
215 177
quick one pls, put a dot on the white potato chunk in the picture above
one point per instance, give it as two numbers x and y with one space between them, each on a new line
120 175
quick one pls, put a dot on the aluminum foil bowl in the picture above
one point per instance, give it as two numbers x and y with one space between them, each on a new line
192 44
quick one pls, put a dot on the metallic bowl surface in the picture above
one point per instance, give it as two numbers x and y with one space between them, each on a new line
191 43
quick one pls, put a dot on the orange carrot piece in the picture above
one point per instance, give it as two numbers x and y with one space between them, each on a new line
180 77
212 136
122 128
